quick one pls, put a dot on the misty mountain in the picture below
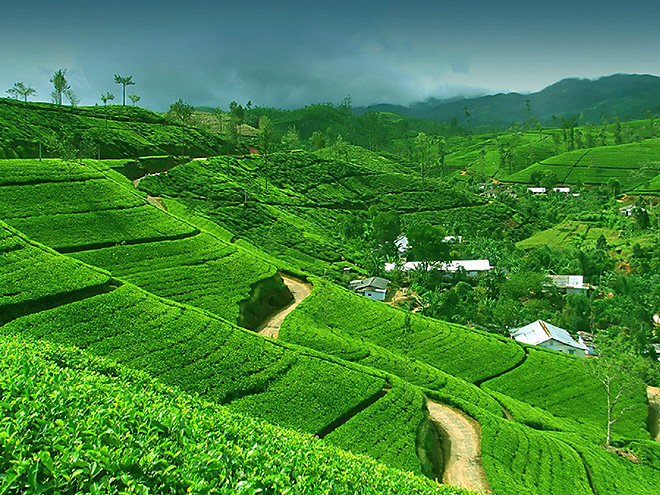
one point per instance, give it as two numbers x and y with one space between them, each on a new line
628 96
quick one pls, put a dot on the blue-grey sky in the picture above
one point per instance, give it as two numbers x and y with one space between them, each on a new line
291 53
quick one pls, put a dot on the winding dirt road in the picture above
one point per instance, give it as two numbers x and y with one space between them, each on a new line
654 412
300 290
463 464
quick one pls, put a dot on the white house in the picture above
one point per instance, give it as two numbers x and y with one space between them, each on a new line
549 336
372 287
629 210
471 267
536 190
570 284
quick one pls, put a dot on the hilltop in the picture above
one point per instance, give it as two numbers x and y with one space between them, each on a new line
30 130
630 96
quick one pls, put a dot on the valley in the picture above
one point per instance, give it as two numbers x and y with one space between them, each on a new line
176 311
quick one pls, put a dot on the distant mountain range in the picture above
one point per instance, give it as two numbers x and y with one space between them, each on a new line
628 96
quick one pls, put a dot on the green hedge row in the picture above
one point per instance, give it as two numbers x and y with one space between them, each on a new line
386 430
201 271
77 424
75 231
15 172
184 347
459 351
29 272
315 333
65 197
560 385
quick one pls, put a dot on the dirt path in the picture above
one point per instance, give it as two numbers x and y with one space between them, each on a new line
157 202
463 463
654 412
300 290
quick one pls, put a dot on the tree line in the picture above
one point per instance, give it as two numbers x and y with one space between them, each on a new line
62 89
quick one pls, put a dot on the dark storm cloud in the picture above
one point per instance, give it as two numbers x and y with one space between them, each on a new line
291 53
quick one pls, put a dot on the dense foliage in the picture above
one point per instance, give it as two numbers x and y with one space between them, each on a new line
75 423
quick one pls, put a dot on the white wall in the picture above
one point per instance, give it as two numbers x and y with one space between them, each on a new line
558 346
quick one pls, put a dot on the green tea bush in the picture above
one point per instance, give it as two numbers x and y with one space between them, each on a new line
560 385
185 347
70 232
77 424
30 273
459 351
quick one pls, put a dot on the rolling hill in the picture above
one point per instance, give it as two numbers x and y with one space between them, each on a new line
629 96
139 321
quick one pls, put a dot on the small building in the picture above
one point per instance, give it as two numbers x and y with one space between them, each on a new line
402 244
630 210
536 190
471 267
565 190
549 336
372 287
570 284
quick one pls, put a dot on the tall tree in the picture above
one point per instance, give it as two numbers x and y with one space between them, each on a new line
237 117
181 111
73 98
427 242
21 90
105 98
619 372
60 85
134 98
266 142
124 81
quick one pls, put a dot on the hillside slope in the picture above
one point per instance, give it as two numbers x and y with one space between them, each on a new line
83 424
628 95
108 132
291 205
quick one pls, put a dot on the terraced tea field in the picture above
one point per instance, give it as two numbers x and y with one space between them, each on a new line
104 222
636 166
163 296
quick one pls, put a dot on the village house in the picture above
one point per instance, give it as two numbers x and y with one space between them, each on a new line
372 287
630 210
570 284
549 336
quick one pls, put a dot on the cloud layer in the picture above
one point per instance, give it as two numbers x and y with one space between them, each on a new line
291 53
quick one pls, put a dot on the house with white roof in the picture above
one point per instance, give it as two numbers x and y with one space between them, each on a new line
570 284
549 336
372 287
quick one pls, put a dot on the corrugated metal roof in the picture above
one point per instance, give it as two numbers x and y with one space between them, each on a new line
369 283
540 331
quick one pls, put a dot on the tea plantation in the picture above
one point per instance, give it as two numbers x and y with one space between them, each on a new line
635 165
289 204
202 354
128 359
108 132
104 222
75 423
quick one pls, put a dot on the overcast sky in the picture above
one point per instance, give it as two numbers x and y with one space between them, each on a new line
292 53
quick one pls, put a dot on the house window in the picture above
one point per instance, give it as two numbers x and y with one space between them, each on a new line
571 351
